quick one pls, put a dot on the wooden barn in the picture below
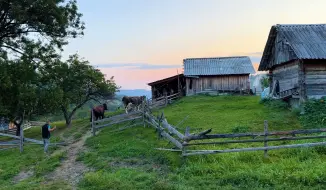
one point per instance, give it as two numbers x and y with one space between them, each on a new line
168 86
219 74
295 56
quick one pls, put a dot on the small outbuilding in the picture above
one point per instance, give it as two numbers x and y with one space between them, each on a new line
295 56
218 74
168 86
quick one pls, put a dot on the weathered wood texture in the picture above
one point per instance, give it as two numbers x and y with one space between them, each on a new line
255 149
287 75
217 83
235 135
315 79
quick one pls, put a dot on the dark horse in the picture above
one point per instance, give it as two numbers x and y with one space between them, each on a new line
135 100
99 112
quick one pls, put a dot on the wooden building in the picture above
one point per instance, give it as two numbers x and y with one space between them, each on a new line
219 74
295 56
168 86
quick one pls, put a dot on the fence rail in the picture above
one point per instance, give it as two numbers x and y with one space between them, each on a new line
184 141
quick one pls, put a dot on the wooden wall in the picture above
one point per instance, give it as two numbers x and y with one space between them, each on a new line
287 75
220 83
315 79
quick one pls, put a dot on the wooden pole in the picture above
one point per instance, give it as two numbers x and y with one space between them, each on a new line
166 100
275 133
144 113
265 138
171 129
21 140
255 149
93 128
255 140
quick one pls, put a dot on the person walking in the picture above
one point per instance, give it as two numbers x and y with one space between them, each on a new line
46 133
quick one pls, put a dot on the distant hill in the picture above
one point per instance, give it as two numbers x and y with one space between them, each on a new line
135 92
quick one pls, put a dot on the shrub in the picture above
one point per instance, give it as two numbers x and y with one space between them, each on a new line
264 82
240 129
314 113
275 104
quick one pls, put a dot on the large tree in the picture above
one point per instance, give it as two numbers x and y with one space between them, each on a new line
21 90
77 82
32 33
47 22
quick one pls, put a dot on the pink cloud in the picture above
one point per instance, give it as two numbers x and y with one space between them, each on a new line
137 78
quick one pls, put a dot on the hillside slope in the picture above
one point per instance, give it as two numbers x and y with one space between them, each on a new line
128 159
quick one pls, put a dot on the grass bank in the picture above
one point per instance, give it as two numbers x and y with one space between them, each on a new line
128 160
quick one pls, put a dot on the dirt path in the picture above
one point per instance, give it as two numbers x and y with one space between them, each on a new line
71 170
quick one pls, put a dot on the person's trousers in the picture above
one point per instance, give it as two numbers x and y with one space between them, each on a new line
46 143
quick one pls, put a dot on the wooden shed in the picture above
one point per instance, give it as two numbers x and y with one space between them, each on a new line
218 74
295 56
168 86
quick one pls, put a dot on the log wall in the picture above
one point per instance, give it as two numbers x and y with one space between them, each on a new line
217 83
287 75
315 79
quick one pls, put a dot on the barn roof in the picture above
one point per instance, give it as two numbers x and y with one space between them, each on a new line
218 66
165 80
301 41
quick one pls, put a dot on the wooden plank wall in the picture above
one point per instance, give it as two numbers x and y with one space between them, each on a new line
287 75
221 83
315 78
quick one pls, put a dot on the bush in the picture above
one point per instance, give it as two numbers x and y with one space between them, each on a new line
240 129
314 113
275 104
264 82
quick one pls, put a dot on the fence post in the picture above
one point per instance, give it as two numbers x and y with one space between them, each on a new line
144 106
166 100
265 137
93 128
21 140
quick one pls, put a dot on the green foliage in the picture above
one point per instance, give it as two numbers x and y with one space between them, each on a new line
117 159
275 104
264 82
314 113
128 159
50 22
33 34
241 129
22 91
77 82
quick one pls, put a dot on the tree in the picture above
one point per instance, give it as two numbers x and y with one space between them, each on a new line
32 32
77 82
47 23
21 91
264 82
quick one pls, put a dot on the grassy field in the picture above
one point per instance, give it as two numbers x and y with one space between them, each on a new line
128 160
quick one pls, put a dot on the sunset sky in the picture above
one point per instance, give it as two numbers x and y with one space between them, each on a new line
140 41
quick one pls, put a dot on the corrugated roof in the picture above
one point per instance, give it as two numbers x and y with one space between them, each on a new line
306 41
218 66
165 79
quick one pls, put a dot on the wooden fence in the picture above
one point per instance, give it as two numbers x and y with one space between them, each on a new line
184 141
134 118
21 140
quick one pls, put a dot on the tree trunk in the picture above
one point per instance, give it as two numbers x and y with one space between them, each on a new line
68 116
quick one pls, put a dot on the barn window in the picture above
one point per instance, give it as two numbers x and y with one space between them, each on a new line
190 84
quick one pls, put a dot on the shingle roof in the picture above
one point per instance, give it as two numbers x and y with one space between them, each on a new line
305 41
218 66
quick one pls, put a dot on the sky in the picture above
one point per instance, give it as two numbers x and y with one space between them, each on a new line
141 41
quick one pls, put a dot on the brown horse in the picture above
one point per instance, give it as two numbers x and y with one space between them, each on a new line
99 112
134 100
